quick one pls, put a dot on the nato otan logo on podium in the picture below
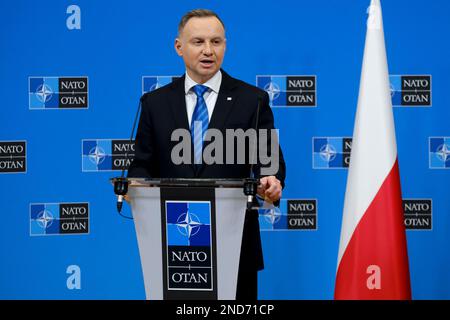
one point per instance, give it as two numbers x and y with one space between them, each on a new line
439 152
189 249
13 156
289 91
331 152
291 215
58 93
410 90
150 83
106 154
59 218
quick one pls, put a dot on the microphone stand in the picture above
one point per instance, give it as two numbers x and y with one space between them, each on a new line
121 183
251 183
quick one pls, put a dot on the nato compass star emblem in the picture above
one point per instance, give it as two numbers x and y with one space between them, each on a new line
97 155
328 152
273 90
188 224
154 87
44 93
45 219
272 215
443 152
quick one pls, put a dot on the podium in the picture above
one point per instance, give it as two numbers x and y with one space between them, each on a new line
189 233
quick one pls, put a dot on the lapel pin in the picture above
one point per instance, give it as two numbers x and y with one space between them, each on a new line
229 98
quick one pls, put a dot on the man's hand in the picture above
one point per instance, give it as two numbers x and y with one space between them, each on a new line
270 188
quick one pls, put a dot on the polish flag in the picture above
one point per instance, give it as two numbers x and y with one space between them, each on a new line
373 258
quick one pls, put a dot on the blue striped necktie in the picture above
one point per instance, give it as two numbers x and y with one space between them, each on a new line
199 123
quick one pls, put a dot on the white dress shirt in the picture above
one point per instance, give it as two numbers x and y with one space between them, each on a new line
210 95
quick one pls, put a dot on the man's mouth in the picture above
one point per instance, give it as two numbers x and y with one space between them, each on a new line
206 63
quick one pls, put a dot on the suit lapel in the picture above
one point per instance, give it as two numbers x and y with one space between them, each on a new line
222 109
177 103
224 103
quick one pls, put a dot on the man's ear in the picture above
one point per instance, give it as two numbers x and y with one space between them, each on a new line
177 46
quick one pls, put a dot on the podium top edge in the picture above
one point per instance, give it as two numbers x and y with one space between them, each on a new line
182 182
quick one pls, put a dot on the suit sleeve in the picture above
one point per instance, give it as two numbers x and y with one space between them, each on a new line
266 121
143 159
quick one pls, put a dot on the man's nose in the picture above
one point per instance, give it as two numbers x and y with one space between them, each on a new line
207 49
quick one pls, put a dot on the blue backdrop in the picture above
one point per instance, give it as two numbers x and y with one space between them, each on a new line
111 50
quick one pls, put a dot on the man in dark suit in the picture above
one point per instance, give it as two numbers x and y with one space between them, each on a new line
207 95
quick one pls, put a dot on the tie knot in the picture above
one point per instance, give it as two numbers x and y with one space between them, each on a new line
200 90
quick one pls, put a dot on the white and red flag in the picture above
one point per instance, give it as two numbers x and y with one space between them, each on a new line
373 258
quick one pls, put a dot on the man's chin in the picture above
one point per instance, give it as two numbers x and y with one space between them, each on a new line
207 74
208 71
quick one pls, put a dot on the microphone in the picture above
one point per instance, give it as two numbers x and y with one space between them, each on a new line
250 183
121 184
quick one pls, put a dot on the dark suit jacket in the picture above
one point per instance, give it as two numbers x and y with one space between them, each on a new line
164 110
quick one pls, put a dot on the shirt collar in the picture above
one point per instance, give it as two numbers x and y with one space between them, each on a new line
213 83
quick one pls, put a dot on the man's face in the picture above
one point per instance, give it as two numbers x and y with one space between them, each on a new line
202 46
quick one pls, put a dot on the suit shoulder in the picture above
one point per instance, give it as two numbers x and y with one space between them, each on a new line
249 89
160 92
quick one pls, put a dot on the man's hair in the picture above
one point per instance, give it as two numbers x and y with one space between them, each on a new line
197 13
